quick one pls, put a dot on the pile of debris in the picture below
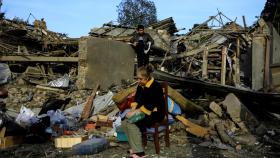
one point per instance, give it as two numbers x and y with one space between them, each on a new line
17 36
59 94
27 47
161 33
216 51
93 125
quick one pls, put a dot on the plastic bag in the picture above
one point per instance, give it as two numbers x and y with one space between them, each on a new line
123 114
5 73
102 102
26 117
92 146
57 117
117 122
99 103
173 107
75 111
136 117
62 82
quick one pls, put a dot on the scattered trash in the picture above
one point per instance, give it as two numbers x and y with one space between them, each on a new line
62 82
121 136
92 146
207 60
75 111
173 107
102 102
69 141
26 117
58 122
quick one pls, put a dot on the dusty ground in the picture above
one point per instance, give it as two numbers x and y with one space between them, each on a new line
182 146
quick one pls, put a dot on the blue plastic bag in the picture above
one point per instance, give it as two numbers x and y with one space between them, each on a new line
92 146
173 107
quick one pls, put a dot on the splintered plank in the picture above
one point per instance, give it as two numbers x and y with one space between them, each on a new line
39 59
205 64
2 132
237 65
122 95
88 106
224 63
193 128
69 141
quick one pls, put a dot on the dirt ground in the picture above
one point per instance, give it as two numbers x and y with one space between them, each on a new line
182 146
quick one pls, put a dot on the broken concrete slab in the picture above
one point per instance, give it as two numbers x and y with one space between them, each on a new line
239 113
247 139
216 108
104 61
223 135
233 107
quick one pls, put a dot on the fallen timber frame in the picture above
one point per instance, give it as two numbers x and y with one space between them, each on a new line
38 59
264 101
185 54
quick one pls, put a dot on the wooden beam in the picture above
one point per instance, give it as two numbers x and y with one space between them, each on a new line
39 59
50 89
223 67
258 61
193 128
237 65
2 132
195 51
88 106
244 22
184 54
205 64
185 104
267 64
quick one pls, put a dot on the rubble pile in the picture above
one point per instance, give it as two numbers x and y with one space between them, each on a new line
160 31
17 36
224 125
220 76
27 48
211 51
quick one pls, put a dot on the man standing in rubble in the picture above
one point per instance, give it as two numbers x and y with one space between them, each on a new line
142 42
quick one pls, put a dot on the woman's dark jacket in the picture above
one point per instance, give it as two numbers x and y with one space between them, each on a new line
150 100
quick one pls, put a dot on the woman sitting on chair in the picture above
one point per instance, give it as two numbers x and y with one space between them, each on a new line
149 100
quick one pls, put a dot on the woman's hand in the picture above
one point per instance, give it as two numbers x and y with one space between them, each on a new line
129 114
132 112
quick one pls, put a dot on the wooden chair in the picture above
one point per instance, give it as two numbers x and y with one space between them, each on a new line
157 126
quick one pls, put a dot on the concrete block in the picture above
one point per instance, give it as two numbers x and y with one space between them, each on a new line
104 61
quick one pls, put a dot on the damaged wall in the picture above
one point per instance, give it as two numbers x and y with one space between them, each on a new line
258 59
104 61
275 68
